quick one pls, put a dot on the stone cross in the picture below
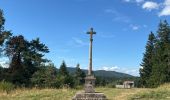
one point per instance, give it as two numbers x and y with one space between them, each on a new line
89 93
91 32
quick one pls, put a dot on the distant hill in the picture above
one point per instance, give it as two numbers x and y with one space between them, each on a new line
103 73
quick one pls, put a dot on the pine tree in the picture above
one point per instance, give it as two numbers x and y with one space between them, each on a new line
63 69
15 47
45 76
79 75
2 21
161 66
3 34
24 57
64 77
145 71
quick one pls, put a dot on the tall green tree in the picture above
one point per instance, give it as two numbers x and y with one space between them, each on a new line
25 56
147 63
45 76
79 75
161 66
64 77
2 21
3 34
156 62
15 48
63 69
36 51
1 72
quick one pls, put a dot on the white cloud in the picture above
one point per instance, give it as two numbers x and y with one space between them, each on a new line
162 7
118 16
135 27
145 26
122 19
4 62
167 2
149 5
131 71
111 11
139 1
166 9
115 68
127 0
77 42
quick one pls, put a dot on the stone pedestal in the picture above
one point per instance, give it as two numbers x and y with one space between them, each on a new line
90 79
88 88
89 84
89 96
89 92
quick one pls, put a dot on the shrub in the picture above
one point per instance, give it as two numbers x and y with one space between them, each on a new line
6 87
111 85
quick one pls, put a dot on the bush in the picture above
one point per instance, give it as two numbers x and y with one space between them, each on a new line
6 87
111 85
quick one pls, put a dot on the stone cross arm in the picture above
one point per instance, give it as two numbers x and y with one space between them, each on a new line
91 31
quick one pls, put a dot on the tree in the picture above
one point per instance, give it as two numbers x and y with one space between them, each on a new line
156 62
3 34
79 75
33 57
25 57
63 69
147 63
45 76
36 51
2 21
15 48
64 78
1 72
101 81
161 66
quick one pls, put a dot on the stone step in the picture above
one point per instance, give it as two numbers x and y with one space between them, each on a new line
89 96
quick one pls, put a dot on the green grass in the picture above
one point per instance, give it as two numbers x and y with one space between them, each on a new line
6 87
37 94
161 93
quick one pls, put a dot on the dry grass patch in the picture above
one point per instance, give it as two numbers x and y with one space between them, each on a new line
37 94
161 93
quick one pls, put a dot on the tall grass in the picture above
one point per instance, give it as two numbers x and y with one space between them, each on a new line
160 93
39 94
6 87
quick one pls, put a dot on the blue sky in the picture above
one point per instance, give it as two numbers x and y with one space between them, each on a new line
122 28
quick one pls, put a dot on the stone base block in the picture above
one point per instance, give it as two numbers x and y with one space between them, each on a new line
89 96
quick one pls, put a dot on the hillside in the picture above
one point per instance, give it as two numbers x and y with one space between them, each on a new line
103 73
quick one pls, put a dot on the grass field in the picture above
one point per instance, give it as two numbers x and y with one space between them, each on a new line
161 93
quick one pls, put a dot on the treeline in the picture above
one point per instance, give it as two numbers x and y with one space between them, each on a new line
156 60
